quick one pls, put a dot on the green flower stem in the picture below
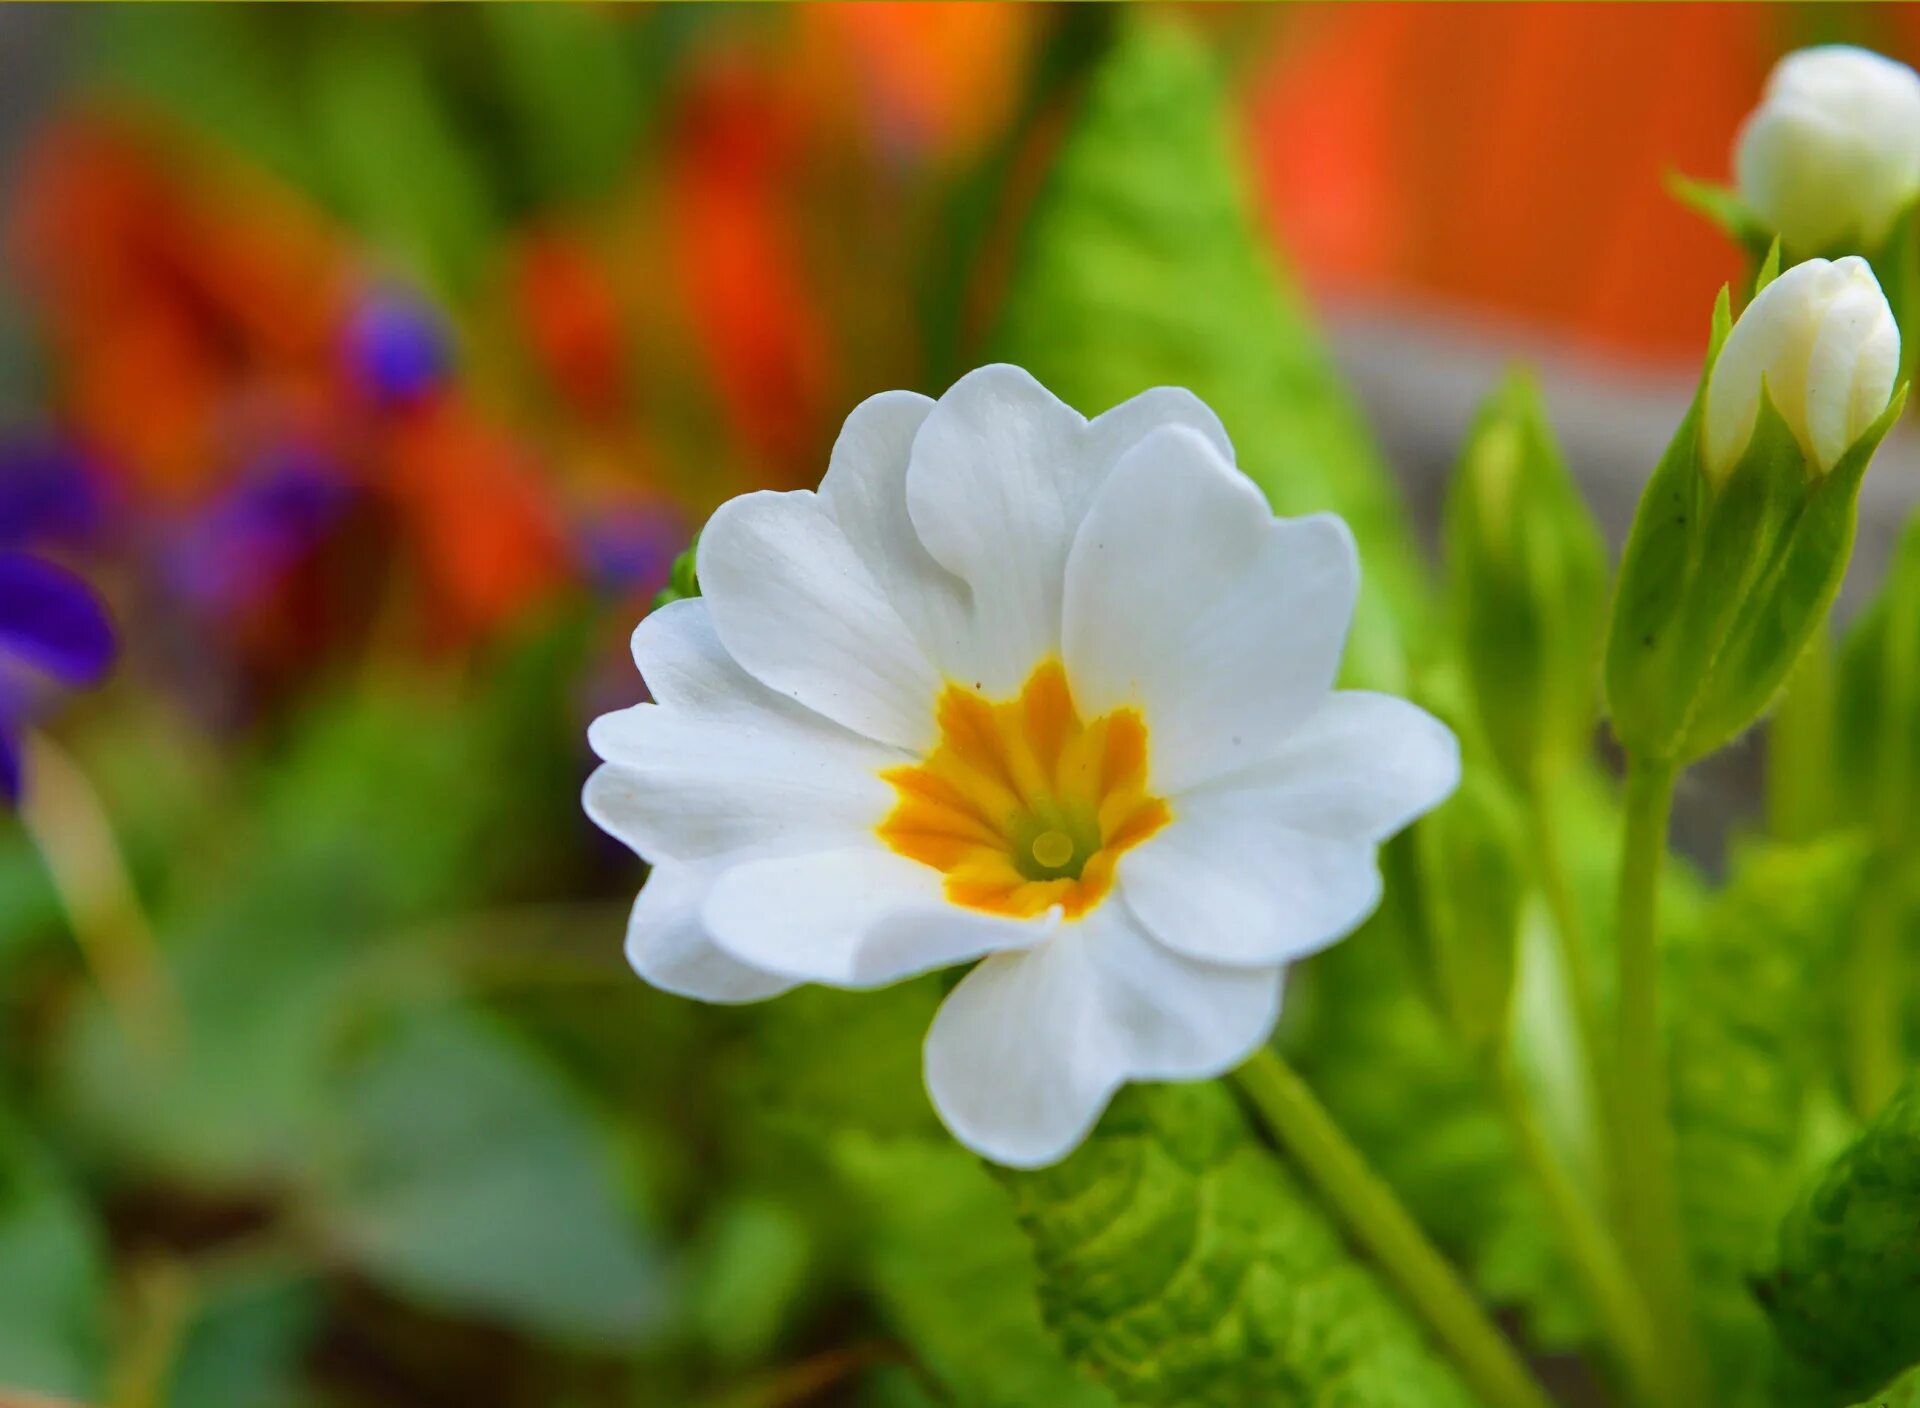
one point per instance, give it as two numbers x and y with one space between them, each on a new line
1591 1252
1645 1186
1875 1063
63 817
1570 934
1382 1226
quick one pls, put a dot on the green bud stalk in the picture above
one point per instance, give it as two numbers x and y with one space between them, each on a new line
1528 573
1740 542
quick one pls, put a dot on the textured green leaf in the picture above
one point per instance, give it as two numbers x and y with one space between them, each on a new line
1903 1392
1143 265
1752 1056
1183 1264
1845 1295
954 1275
472 1178
53 1278
836 1081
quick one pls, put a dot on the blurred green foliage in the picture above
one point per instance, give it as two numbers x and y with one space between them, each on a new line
394 1125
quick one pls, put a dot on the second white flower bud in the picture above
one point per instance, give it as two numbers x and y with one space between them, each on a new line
1823 341
1832 154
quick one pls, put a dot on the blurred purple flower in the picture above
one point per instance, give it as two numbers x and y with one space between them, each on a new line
244 541
51 622
396 347
629 549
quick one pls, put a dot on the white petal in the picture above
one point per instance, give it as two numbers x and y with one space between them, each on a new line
1225 884
1027 1050
865 490
723 765
668 946
1002 472
857 917
1187 599
1851 369
1279 860
794 604
1362 765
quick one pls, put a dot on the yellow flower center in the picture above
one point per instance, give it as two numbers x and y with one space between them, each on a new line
1021 804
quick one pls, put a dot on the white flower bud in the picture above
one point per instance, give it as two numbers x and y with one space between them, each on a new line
1832 154
1824 341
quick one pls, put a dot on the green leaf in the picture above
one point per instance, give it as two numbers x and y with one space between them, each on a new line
1903 1392
1528 583
1897 266
835 1084
53 1278
1723 207
236 1102
1875 730
1845 1295
1753 1048
954 1276
395 163
247 1344
1183 1264
471 1178
749 1274
1143 265
574 93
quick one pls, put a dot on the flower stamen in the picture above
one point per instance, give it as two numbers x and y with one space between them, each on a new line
1022 804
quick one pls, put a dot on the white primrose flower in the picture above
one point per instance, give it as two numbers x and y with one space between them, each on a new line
1832 154
1824 341
1015 686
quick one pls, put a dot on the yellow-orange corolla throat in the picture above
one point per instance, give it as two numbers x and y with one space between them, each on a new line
1021 804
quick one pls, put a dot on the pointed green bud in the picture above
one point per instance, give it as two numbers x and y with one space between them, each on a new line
681 579
1463 881
1744 531
1528 576
1876 724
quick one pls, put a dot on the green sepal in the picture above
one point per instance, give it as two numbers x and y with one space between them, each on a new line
1461 876
1802 574
1723 208
1721 585
1845 1297
1528 572
682 580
